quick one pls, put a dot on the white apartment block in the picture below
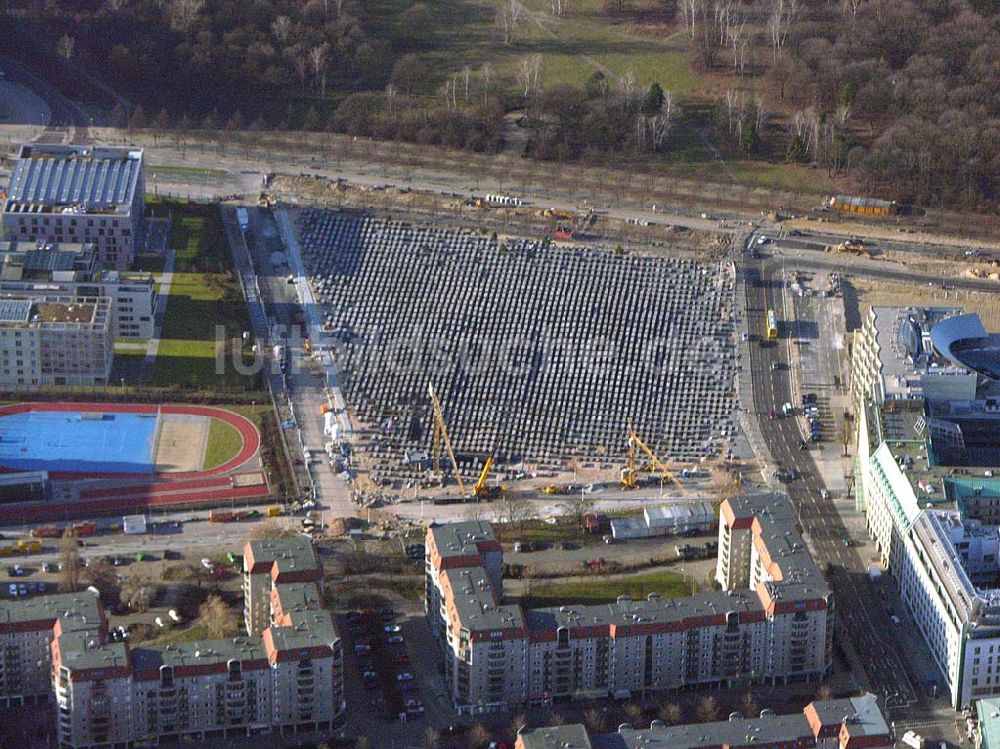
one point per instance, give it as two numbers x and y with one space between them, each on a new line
286 679
79 193
55 340
72 270
774 625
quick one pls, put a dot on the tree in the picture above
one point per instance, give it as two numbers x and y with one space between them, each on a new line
527 75
281 27
597 85
136 592
485 74
749 706
214 615
431 737
318 58
518 722
478 736
411 75
594 719
508 19
514 511
265 531
101 575
708 709
183 14
362 742
653 101
578 506
634 713
671 713
824 692
64 47
69 559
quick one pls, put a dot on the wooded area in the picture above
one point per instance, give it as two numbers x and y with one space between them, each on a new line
897 97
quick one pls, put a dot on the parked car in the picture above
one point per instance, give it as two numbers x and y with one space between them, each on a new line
207 563
390 628
395 640
404 676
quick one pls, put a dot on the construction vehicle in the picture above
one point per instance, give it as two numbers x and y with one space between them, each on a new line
439 437
851 247
483 491
557 489
630 473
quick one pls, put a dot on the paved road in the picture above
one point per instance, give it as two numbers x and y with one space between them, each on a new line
824 529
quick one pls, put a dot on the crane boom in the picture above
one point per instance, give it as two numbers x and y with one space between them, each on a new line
484 474
629 480
440 435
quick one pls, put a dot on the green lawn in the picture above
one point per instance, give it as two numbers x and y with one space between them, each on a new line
597 589
224 442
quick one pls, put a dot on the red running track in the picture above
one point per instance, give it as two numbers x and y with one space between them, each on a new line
248 432
188 488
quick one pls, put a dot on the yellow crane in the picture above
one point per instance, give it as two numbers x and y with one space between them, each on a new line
439 436
630 473
481 490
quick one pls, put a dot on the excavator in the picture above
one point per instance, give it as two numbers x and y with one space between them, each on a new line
630 473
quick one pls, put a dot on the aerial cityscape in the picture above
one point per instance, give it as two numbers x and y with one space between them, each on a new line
499 374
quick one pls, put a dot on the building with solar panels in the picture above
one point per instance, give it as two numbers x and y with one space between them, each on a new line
28 268
79 194
55 340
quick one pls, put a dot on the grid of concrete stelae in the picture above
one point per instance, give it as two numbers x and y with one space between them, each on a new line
537 352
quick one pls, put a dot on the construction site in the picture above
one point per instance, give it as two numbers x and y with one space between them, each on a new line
463 354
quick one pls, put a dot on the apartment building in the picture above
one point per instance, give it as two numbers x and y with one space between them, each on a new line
71 270
824 724
49 339
269 566
774 625
286 679
79 193
27 629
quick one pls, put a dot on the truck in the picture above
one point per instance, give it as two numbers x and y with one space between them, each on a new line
47 531
28 546
134 525
913 739
83 530
220 516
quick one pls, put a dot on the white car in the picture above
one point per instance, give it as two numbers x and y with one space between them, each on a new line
207 563
762 239
405 676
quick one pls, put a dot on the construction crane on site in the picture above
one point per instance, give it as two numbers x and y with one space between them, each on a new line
630 473
439 436
481 490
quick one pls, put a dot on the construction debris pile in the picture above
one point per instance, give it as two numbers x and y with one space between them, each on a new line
537 353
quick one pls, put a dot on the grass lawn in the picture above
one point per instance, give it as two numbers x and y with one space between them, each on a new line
204 305
598 589
224 442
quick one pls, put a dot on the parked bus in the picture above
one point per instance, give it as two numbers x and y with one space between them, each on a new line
772 326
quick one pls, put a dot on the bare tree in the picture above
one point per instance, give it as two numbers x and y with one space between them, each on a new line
265 531
851 6
578 506
783 12
317 56
759 113
509 13
137 592
559 7
594 719
65 46
183 14
431 737
281 27
634 713
527 73
708 709
514 511
671 713
362 742
749 706
115 6
466 75
824 692
390 96
69 559
486 73
662 121
628 88
214 615
478 736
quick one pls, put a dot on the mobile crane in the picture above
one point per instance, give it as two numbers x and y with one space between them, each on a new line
630 473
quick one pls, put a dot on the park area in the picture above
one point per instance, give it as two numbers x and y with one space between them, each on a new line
205 311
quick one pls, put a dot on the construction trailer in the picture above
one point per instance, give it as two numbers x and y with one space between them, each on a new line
864 206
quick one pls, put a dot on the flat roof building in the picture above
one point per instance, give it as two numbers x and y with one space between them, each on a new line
772 624
79 193
831 724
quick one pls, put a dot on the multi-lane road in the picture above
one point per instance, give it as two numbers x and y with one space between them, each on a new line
860 609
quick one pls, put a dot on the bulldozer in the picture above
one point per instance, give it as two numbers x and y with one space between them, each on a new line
852 247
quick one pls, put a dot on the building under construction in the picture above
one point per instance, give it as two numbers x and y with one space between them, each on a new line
537 353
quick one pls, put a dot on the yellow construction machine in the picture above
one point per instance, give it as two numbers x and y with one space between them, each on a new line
482 490
852 247
630 473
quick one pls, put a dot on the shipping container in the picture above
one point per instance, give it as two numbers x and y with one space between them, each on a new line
220 516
